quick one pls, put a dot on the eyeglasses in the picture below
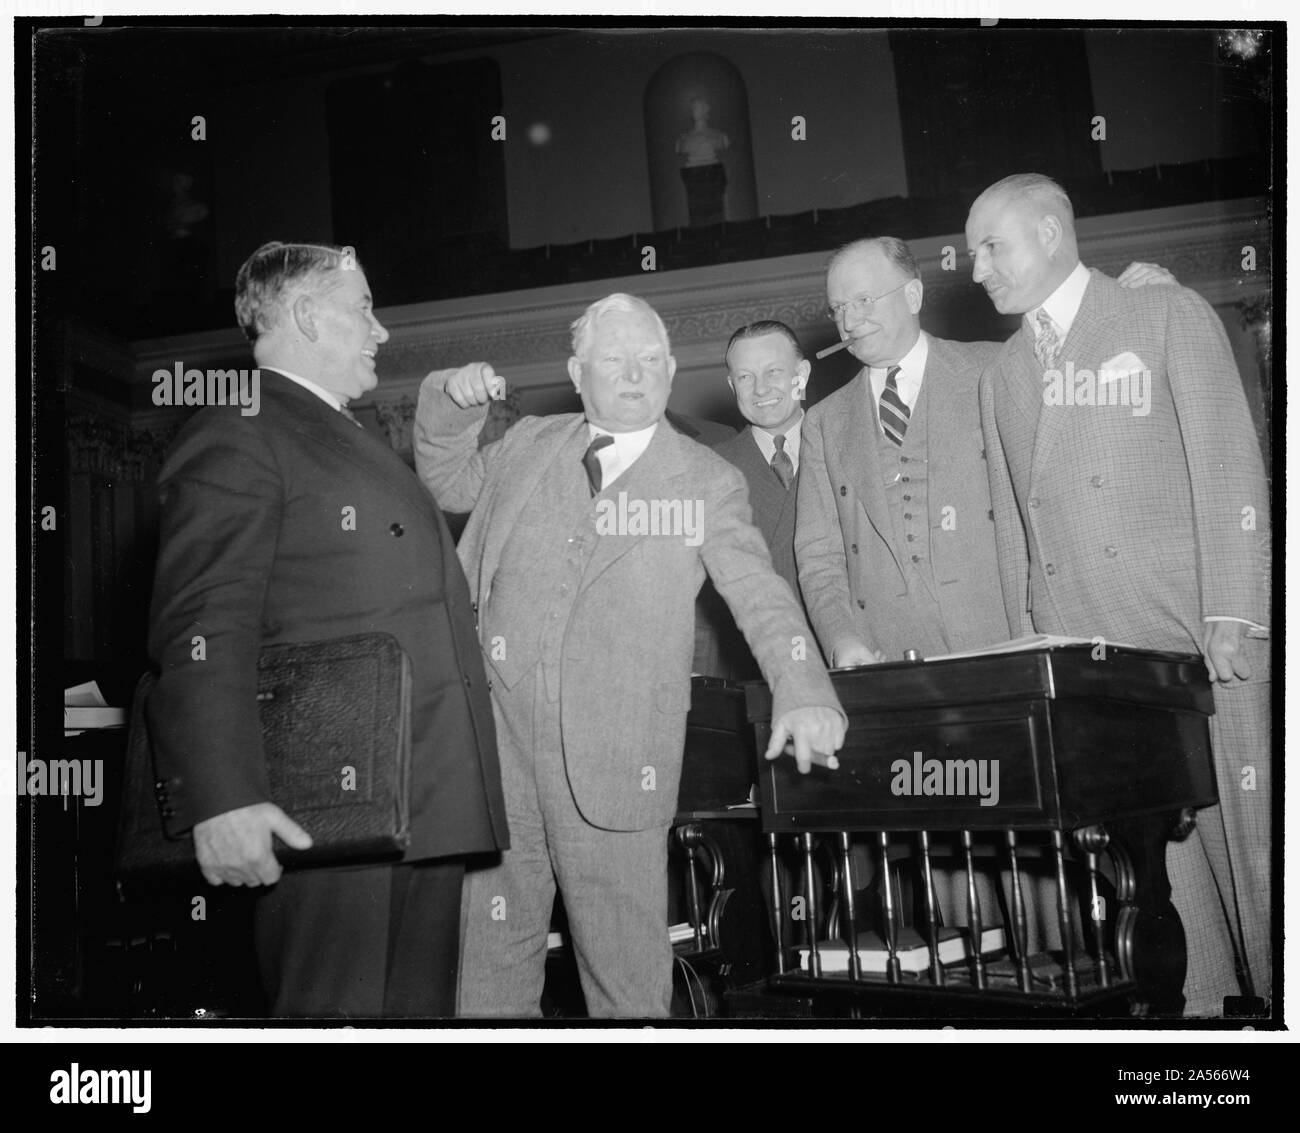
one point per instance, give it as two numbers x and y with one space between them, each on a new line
859 305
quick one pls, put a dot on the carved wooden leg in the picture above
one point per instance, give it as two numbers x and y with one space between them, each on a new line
1150 946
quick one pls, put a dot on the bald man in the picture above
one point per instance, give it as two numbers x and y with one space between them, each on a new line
1130 502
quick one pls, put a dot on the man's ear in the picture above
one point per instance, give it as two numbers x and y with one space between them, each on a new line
802 373
672 368
915 291
1050 234
304 317
575 373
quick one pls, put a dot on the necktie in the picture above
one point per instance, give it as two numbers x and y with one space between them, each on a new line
894 413
591 460
782 465
1048 343
350 416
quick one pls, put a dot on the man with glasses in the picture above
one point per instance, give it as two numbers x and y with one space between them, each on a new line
894 528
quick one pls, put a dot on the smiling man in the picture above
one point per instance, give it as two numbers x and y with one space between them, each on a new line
295 526
589 634
768 374
1146 524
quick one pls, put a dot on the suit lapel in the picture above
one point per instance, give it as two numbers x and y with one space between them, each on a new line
309 416
1100 308
657 474
858 432
517 483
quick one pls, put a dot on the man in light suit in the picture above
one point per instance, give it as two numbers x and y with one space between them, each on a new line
294 525
586 614
894 535
768 374
1131 503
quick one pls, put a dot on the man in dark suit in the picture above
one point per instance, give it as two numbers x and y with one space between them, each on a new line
768 374
295 525
587 612
1131 504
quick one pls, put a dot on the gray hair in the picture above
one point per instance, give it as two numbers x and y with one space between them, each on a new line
1036 187
584 327
894 250
270 273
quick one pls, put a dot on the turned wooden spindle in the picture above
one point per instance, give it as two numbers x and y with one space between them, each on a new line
1063 915
974 922
1019 922
931 911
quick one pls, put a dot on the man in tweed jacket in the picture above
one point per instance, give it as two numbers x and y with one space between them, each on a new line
588 629
1130 502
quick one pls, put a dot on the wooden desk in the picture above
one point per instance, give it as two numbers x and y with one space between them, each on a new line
1095 756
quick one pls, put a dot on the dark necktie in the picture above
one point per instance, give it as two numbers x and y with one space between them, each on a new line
591 460
782 465
894 414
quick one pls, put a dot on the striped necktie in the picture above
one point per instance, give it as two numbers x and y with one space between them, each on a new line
782 465
894 414
591 460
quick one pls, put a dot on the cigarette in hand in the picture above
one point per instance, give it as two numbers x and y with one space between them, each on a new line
497 387
832 349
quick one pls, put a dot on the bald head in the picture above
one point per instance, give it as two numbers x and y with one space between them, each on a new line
1020 237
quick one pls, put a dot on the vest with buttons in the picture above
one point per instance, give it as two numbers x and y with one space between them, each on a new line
905 474
538 578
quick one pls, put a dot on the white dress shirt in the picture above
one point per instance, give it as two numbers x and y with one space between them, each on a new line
627 448
1062 305
766 441
911 370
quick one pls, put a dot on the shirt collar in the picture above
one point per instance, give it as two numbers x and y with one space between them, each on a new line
765 439
1062 304
911 369
627 448
324 394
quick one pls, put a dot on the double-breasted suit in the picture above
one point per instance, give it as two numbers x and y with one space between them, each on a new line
587 623
1131 503
859 569
295 525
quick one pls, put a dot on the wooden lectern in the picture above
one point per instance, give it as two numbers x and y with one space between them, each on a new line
1100 755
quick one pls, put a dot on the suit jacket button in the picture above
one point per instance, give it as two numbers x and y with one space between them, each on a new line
861 604
1034 502
469 681
397 529
1050 568
990 513
982 456
854 548
1111 552
916 558
1097 481
844 491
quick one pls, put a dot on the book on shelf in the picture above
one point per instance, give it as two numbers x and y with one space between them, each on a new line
912 948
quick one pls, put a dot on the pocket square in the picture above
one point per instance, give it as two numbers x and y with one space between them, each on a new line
1126 363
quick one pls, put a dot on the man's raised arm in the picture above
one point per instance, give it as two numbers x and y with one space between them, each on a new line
448 418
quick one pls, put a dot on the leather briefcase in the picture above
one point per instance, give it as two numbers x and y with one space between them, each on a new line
335 721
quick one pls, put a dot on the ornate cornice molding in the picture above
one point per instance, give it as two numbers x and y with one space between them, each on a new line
526 332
